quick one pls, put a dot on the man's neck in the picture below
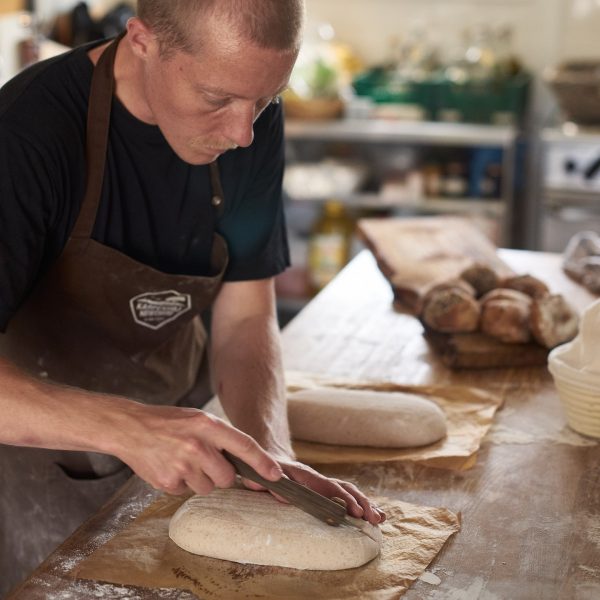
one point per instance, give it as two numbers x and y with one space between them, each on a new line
128 80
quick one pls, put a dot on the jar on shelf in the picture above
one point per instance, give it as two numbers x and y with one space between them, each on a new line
455 183
329 244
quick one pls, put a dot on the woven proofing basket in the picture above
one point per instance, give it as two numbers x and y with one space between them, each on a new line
580 400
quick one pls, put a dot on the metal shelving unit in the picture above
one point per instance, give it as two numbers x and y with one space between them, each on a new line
399 133
570 187
480 206
423 134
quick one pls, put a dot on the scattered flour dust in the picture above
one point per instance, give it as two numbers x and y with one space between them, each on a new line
474 591
106 591
500 434
593 571
593 529
430 578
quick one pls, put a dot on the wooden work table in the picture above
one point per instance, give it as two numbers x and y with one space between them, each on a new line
530 507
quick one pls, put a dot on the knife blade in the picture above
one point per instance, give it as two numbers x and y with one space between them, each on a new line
304 498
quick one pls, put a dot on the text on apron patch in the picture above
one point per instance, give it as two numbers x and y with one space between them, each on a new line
155 309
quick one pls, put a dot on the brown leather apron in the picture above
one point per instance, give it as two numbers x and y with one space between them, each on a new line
101 321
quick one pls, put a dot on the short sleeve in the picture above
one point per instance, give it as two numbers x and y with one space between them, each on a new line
25 190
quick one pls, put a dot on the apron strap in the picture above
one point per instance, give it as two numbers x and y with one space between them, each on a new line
98 125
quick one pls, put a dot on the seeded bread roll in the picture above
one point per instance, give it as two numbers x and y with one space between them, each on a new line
507 319
527 284
451 310
553 321
481 277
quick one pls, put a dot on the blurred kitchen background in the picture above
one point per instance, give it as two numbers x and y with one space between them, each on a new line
488 109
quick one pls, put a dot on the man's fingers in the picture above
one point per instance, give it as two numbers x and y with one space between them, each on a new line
174 489
217 468
326 487
200 484
370 512
343 492
243 446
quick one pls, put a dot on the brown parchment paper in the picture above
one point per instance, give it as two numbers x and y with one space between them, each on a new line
469 413
143 555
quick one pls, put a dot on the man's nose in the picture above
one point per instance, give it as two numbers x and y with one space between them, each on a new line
239 127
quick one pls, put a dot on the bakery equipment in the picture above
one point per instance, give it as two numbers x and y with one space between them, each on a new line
570 185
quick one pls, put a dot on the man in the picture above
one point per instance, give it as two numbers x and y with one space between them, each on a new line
122 218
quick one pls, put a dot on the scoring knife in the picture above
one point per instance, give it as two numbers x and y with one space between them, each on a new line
304 498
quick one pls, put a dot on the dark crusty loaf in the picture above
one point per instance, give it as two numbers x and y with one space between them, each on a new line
451 310
482 277
507 319
505 294
553 320
450 283
528 284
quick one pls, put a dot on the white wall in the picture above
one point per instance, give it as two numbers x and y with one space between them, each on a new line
545 30
541 31
46 10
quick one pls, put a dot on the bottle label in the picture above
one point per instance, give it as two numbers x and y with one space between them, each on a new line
327 257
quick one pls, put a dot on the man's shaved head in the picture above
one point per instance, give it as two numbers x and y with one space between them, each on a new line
177 24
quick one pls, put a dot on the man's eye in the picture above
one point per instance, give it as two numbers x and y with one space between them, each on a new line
213 101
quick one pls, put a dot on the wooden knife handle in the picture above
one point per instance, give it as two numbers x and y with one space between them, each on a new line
297 494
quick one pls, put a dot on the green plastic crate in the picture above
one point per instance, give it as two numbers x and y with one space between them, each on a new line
382 88
499 101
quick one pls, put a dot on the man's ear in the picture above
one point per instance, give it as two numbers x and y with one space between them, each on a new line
142 40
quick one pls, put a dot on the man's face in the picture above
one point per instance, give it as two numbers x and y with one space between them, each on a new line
206 104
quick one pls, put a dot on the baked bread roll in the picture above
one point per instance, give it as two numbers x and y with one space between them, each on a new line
451 310
553 320
450 283
507 319
365 418
505 294
481 277
528 284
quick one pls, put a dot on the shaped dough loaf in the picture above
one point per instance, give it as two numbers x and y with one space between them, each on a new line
252 527
364 418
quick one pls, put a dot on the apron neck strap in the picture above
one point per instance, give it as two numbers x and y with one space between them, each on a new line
98 125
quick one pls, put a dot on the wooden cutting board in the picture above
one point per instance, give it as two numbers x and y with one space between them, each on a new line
479 351
417 253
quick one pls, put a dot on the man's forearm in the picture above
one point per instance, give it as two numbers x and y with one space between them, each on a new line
248 378
40 414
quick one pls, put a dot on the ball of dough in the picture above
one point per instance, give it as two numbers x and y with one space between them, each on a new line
364 418
252 527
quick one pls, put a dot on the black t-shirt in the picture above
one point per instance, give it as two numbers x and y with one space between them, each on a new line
154 207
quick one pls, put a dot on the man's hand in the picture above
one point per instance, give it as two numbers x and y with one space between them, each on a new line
179 449
357 504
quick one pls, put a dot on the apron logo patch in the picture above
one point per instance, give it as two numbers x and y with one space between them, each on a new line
155 309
